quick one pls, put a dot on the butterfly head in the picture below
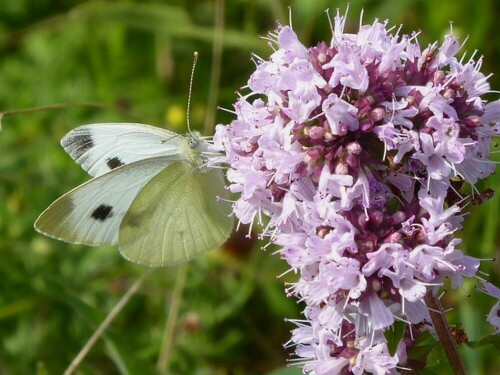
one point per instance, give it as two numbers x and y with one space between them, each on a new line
194 140
193 148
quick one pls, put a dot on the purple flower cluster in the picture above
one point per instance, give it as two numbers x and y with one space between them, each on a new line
351 156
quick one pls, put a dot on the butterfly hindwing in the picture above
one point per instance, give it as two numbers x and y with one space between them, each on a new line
100 148
91 213
176 217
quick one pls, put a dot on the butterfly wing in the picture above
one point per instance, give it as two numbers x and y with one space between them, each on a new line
91 213
100 148
176 217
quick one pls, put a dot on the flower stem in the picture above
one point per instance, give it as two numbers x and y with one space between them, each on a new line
107 321
173 313
444 334
55 106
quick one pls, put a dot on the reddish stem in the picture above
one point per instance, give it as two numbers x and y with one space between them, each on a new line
444 334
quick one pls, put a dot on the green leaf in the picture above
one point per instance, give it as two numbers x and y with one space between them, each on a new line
425 338
420 353
432 355
493 340
394 336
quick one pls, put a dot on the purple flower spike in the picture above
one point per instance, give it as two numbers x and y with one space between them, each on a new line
357 151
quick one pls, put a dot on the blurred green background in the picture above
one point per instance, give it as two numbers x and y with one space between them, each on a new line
131 61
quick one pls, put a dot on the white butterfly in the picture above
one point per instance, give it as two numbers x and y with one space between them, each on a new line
150 194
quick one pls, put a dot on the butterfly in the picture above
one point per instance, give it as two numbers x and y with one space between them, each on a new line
150 194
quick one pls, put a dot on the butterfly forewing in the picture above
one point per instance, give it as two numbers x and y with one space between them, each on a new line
91 213
100 148
176 217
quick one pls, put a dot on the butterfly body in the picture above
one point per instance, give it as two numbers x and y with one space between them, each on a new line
150 194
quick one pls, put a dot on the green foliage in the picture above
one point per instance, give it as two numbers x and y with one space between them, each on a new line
394 336
487 340
131 61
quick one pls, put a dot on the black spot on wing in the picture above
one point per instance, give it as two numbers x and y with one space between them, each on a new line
78 142
102 212
114 162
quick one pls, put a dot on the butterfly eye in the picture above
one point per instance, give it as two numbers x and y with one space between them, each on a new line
193 143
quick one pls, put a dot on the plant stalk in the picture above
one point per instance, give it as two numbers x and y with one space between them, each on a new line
444 334
173 313
106 322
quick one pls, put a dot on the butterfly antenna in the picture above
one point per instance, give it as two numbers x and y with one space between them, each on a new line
195 60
